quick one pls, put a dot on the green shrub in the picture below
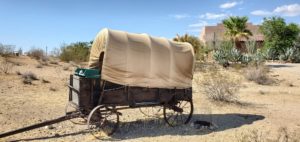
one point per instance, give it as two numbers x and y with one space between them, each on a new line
75 52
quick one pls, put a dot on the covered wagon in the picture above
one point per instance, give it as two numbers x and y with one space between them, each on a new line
135 70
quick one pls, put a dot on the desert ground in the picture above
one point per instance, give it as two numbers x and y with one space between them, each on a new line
267 111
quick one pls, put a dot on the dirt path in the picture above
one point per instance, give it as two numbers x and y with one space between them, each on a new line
273 107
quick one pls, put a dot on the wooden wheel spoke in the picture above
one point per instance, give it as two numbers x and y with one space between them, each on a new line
174 118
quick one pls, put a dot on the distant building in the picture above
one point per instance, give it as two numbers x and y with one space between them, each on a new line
213 34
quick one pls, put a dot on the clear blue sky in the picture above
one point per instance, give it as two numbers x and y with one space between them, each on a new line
40 23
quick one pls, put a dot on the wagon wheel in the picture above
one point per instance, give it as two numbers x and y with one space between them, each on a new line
103 121
179 112
151 111
72 108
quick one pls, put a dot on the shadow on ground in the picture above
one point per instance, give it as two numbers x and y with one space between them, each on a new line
157 127
280 66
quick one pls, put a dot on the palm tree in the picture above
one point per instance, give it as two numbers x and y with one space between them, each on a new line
236 29
194 41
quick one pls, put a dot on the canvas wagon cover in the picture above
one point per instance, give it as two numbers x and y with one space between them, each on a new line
142 60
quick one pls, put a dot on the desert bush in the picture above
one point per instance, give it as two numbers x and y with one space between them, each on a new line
36 53
258 74
220 86
52 89
27 80
66 68
18 73
44 59
53 62
6 50
6 67
39 66
29 75
75 52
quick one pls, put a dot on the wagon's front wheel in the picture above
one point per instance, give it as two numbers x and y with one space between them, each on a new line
103 121
178 112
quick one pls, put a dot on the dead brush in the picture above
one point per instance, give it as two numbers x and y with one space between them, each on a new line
258 74
28 77
6 67
220 86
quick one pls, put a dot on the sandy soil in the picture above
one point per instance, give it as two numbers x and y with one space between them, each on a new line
270 107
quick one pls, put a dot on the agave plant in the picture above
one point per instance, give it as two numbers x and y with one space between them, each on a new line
251 47
294 55
220 56
246 58
234 55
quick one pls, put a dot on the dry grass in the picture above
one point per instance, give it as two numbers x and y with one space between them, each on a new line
220 86
6 67
258 74
283 135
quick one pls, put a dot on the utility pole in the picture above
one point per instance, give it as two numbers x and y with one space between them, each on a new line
46 50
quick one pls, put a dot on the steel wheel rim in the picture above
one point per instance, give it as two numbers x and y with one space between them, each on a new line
174 118
106 123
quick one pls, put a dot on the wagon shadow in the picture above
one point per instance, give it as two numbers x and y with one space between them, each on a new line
157 127
152 127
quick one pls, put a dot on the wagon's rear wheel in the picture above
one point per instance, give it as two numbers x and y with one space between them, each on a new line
73 108
103 121
178 112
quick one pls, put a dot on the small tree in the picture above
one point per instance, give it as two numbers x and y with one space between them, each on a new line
194 41
279 35
236 29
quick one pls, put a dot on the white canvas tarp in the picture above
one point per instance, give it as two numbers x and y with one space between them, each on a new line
141 60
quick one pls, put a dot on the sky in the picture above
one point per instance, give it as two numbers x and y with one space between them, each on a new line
52 23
